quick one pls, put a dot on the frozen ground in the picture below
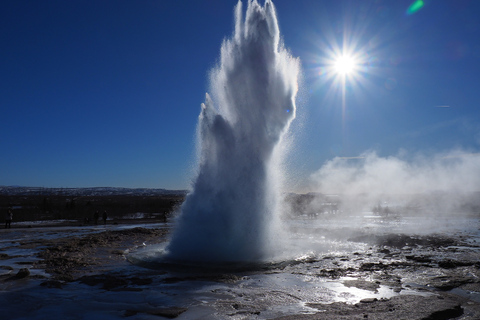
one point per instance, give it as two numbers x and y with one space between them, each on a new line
347 268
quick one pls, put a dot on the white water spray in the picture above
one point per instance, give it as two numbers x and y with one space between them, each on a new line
232 213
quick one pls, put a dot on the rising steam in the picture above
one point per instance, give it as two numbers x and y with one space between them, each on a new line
450 172
430 184
232 212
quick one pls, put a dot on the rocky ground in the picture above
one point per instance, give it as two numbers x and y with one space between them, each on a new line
443 272
446 269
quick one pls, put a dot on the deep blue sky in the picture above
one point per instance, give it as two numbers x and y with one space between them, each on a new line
107 93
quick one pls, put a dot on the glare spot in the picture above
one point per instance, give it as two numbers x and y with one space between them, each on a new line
322 71
344 65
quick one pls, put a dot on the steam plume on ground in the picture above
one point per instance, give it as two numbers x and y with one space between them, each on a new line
435 184
232 212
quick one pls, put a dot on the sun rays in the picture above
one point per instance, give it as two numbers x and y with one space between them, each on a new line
345 65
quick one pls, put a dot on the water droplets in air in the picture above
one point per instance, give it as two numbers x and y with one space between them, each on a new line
232 212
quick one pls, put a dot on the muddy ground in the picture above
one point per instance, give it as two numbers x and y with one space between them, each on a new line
444 270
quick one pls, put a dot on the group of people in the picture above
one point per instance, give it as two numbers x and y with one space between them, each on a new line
97 215
9 218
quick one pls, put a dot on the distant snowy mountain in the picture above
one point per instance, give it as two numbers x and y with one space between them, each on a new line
96 191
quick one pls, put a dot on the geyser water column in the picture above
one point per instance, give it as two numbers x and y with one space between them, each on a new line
232 211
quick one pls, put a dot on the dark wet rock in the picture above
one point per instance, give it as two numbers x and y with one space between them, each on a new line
450 282
171 280
4 256
402 240
335 273
244 314
129 313
7 268
126 289
224 278
380 266
421 259
447 264
362 284
245 310
53 284
372 266
170 313
115 283
399 307
451 264
446 314
109 282
473 287
368 300
25 263
67 277
140 281
65 258
22 273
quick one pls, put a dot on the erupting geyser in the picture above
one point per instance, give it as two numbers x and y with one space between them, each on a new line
232 212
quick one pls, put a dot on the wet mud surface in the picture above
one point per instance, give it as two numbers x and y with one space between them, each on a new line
67 259
379 276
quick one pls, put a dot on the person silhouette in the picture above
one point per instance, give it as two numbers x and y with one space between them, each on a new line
9 218
95 217
104 217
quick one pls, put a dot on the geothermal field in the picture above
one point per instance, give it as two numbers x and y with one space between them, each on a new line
389 241
343 265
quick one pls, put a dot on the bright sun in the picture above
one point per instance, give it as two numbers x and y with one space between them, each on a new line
344 65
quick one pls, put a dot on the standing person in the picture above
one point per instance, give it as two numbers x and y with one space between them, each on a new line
95 217
9 218
104 217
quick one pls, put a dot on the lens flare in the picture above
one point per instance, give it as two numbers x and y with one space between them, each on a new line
414 7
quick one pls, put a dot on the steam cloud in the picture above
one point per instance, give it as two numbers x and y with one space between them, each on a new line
232 212
451 175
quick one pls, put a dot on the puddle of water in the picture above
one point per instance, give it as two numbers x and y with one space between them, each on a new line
471 295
